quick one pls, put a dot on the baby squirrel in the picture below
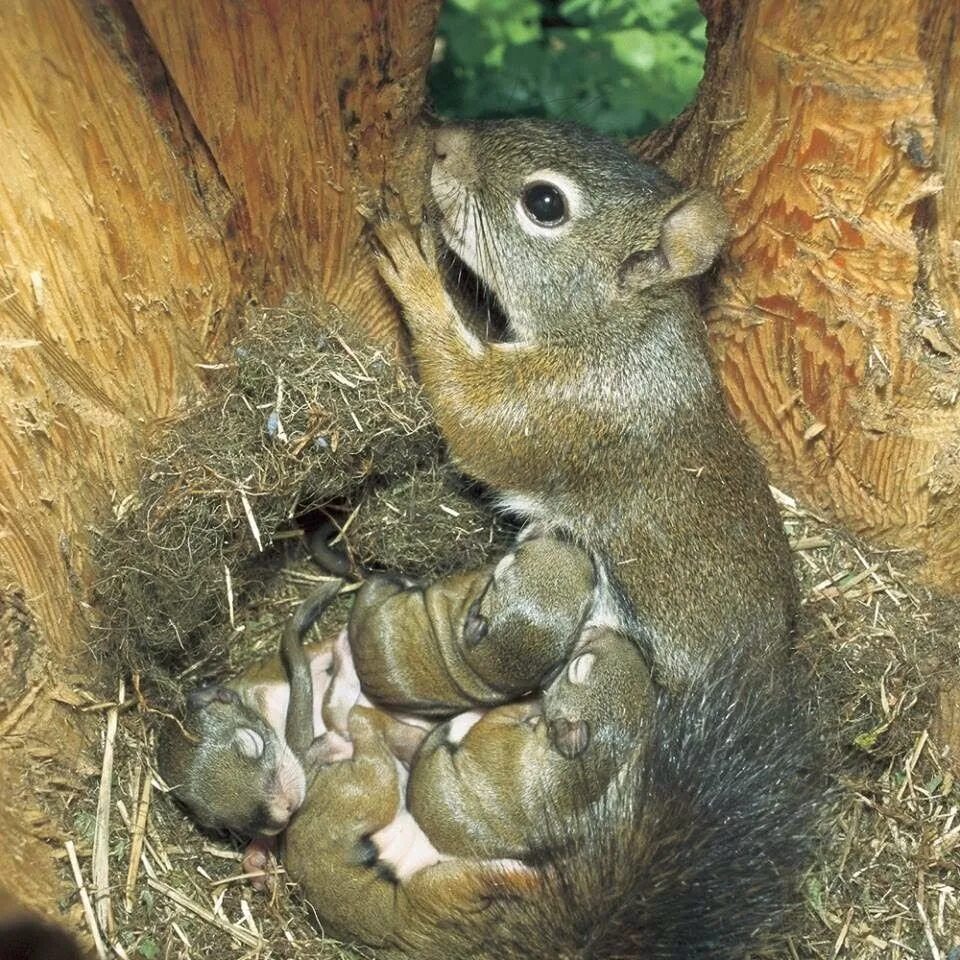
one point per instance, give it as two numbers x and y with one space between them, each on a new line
600 417
230 765
485 782
476 638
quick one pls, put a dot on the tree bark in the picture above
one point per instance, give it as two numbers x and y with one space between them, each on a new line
164 163
832 132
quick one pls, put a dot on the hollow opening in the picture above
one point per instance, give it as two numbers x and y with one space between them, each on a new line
620 66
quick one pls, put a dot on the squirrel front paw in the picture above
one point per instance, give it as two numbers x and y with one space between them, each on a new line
259 864
408 267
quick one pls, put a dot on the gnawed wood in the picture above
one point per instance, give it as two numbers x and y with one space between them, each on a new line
163 165
306 109
832 135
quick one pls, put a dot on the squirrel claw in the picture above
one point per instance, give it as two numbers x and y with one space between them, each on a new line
376 207
399 255
407 265
429 241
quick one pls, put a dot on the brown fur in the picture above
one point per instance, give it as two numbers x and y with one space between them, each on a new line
471 639
603 417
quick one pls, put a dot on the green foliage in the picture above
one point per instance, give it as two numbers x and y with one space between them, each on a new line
621 66
148 949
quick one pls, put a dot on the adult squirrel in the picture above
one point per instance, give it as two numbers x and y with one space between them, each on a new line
600 418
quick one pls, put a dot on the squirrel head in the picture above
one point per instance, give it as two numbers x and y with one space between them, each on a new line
561 224
229 767
532 607
606 689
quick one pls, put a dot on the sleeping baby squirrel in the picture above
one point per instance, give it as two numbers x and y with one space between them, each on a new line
230 765
485 782
600 417
476 638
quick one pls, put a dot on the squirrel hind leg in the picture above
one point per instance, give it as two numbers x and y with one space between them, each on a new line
402 848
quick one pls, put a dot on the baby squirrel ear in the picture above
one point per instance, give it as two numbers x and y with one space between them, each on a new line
691 235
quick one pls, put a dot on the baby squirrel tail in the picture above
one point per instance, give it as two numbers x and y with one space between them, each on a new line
697 847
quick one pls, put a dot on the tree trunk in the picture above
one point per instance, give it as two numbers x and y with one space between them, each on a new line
164 163
832 132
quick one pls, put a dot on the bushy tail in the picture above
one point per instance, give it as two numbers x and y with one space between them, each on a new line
696 849
713 821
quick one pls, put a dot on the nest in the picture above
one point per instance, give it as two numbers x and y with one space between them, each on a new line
202 567
301 424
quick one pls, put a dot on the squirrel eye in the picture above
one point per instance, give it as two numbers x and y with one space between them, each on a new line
248 743
544 204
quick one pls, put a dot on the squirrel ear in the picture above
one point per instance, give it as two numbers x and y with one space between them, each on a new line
570 737
691 236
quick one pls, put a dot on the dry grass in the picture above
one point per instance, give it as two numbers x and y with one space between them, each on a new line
886 886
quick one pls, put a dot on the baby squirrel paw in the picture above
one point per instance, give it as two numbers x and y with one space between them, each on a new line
260 865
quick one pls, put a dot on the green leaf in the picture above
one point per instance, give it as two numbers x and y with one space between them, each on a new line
634 48
620 66
815 892
148 948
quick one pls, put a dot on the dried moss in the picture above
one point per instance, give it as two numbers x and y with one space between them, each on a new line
884 886
300 419
356 444
402 520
